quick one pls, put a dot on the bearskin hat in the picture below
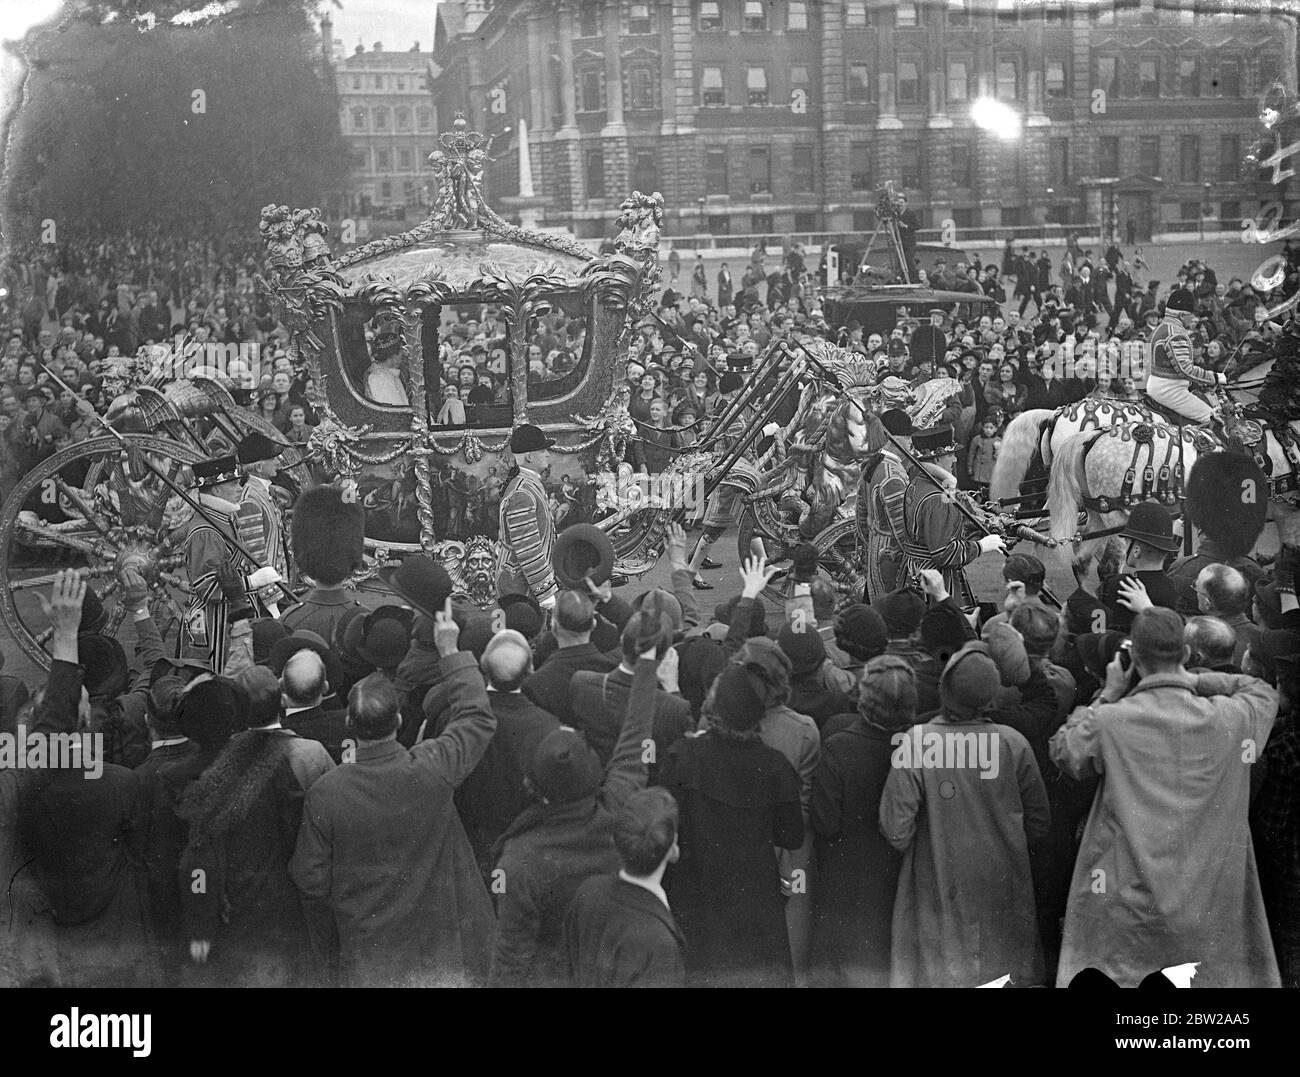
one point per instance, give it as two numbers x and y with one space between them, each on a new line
328 535
1227 501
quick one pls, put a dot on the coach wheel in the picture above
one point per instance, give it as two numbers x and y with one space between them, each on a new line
95 506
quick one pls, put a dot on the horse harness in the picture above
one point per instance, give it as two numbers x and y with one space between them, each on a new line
1162 475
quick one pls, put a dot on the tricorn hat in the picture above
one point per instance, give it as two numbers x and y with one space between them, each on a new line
934 442
1180 299
1227 501
214 472
582 550
328 535
254 447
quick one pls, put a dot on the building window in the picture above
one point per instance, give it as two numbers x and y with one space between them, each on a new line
860 166
1008 80
379 82
1011 167
909 83
756 86
801 173
864 220
905 15
1054 11
638 18
1229 80
641 84
958 13
1108 157
796 15
1189 159
358 119
712 95
859 83
760 170
910 163
1108 75
360 160
403 119
591 90
755 15
715 172
381 119
958 80
1189 211
710 15
1149 76
1189 78
1008 11
401 85
405 161
799 78
356 82
1054 79
1149 155
383 161
1058 163
591 18
1230 214
760 224
961 165
645 171
424 118
720 225
595 171
386 191
855 15
805 222
1229 157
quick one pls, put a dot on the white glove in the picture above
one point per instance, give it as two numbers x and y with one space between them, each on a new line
993 542
1221 378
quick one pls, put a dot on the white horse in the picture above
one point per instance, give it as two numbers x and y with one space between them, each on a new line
1033 439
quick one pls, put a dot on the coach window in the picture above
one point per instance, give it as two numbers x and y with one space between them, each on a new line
373 358
467 366
559 348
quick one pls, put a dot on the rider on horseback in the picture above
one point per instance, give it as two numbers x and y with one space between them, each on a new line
1171 366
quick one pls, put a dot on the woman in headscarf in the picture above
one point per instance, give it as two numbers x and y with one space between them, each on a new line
857 869
738 798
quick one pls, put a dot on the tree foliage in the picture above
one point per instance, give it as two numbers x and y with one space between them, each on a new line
200 125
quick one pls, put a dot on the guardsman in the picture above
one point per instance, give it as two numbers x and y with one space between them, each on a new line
217 489
259 522
526 527
881 529
939 536
327 536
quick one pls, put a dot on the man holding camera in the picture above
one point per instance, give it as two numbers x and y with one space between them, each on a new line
1166 871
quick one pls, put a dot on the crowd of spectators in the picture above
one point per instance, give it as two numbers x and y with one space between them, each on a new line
426 793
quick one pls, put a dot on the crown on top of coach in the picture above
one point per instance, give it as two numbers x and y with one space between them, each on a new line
460 144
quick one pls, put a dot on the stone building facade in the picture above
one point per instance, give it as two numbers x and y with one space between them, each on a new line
776 116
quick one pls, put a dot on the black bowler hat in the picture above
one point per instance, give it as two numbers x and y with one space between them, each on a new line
214 472
582 550
255 447
528 438
420 580
1150 524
